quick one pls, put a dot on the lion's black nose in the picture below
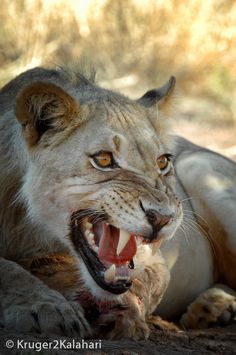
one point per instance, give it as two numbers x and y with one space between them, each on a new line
157 220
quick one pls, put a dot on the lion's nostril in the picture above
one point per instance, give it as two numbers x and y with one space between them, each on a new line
156 219
151 216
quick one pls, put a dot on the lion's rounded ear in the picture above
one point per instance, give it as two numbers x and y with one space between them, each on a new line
42 106
160 96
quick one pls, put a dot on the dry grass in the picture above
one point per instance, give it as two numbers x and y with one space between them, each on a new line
132 44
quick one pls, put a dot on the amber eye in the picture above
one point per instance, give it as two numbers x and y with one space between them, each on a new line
103 159
163 162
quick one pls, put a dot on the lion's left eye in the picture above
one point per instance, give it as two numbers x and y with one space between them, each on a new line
104 159
163 162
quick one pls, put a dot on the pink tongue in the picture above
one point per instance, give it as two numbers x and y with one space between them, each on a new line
109 237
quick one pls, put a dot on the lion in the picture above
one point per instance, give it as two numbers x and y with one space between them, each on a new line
107 221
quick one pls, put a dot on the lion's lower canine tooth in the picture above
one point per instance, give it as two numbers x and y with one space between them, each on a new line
110 273
134 273
156 246
138 240
123 240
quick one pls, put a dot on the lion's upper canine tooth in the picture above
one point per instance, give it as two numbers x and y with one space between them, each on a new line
156 246
109 274
134 273
124 237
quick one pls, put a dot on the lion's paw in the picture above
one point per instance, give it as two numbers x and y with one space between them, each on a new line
157 322
125 327
52 315
216 306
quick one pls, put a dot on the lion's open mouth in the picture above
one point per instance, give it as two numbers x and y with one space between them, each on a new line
107 252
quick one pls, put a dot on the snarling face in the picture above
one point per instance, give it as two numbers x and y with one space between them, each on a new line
100 172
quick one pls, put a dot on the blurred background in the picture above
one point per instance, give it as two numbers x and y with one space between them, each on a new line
135 45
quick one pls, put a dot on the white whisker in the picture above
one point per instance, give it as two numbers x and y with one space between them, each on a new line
196 227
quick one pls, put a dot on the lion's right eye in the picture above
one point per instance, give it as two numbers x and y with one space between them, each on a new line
163 163
103 159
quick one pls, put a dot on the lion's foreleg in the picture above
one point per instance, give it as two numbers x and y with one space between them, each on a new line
28 305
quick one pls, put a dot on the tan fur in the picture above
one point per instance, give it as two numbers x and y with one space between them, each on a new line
225 262
58 271
51 128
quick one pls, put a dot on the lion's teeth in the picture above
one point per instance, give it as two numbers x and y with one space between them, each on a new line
122 278
124 237
86 233
156 246
110 273
88 225
90 237
95 248
134 273
91 242
138 240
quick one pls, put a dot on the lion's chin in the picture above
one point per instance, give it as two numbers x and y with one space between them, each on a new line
106 251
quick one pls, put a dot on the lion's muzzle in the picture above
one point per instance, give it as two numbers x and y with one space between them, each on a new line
108 251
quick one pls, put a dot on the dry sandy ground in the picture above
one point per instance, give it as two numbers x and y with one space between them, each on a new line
214 341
